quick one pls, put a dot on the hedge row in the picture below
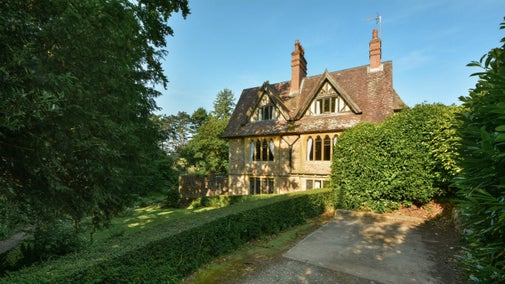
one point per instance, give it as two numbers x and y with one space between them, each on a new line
409 158
173 250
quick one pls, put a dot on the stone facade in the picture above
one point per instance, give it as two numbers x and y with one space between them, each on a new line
281 135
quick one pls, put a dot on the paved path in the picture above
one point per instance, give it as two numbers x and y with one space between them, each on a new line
11 242
357 248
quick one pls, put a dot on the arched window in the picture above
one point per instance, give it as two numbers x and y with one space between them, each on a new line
257 149
251 151
318 149
309 149
271 148
261 150
264 150
327 148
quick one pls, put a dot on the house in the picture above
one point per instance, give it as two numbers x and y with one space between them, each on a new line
281 135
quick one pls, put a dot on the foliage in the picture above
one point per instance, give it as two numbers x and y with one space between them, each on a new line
224 104
170 251
173 198
207 153
409 158
482 181
75 135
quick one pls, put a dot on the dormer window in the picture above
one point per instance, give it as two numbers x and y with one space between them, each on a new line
329 105
327 101
266 112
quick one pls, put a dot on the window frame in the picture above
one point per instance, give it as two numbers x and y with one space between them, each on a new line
319 149
261 185
261 150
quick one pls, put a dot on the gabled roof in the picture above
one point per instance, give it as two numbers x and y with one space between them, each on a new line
326 77
370 95
266 90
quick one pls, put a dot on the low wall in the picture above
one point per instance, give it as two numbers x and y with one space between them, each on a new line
193 186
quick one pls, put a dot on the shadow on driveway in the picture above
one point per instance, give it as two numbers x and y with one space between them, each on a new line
357 247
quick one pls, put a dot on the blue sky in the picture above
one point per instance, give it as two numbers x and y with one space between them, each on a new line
237 44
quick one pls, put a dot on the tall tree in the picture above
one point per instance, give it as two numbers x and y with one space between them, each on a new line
224 104
207 152
75 101
199 117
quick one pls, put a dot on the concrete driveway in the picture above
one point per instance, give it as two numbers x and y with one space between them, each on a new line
360 248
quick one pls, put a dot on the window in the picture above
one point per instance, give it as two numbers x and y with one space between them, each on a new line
266 112
329 105
261 150
261 185
327 149
316 183
320 149
257 147
317 151
264 150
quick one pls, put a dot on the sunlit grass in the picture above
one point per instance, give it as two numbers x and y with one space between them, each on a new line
142 218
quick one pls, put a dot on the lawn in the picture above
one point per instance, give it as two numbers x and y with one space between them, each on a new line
155 213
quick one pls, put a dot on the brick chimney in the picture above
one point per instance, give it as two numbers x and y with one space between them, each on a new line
298 67
375 51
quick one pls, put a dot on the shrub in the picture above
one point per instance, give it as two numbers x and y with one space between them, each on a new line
408 158
482 181
169 252
173 198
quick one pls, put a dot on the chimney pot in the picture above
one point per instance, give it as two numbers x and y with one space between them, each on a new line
375 50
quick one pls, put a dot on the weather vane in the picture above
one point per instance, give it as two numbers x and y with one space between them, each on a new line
378 20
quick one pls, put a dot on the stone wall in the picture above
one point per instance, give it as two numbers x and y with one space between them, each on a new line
193 186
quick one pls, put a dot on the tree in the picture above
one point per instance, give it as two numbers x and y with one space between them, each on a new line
207 153
76 137
224 104
199 117
482 181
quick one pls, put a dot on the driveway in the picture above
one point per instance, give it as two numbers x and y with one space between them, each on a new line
366 248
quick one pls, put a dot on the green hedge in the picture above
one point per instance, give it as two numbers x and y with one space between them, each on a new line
481 183
408 158
171 251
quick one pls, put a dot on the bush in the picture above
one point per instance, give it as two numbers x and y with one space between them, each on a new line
410 158
52 239
169 252
482 182
173 198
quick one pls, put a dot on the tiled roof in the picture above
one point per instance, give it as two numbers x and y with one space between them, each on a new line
357 86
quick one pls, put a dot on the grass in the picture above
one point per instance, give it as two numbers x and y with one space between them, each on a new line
140 237
147 216
142 218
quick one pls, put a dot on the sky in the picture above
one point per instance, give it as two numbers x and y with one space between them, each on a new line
238 44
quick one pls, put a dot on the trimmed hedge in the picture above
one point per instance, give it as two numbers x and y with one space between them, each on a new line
173 250
409 158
